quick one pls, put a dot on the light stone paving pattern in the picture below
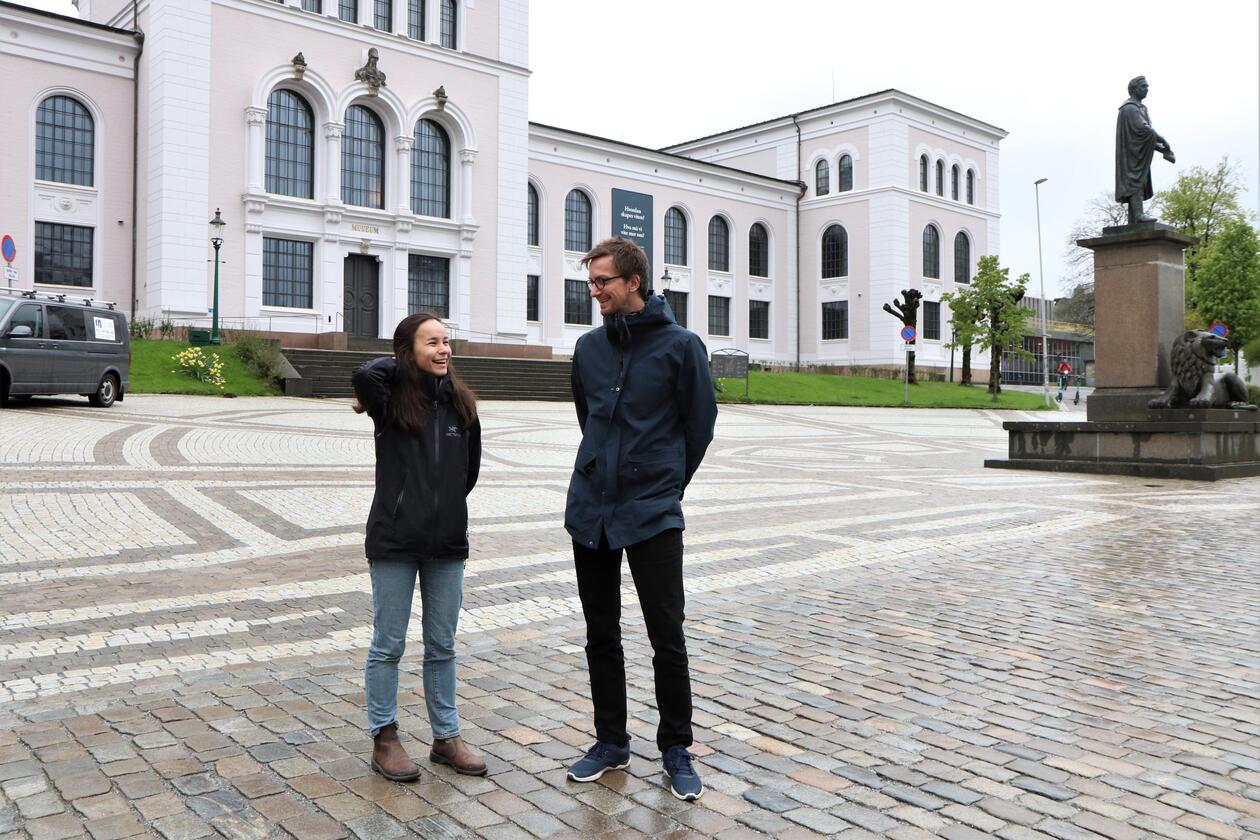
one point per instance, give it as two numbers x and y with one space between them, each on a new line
886 639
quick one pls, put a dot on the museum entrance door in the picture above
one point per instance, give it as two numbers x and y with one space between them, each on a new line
361 305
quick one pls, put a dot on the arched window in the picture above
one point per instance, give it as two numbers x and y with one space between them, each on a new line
953 182
449 34
415 19
971 186
923 173
577 222
962 258
431 171
931 252
822 178
719 245
846 173
363 159
835 252
675 237
65 142
940 178
290 145
533 218
758 251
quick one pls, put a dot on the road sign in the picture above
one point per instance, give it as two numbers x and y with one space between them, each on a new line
1220 330
10 275
8 249
908 334
908 347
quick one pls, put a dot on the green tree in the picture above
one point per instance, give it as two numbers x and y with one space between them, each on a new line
1201 203
964 317
1229 283
1002 323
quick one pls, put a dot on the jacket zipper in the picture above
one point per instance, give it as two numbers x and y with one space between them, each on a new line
437 474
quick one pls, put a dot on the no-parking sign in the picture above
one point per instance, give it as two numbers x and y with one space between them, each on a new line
7 248
1219 329
907 334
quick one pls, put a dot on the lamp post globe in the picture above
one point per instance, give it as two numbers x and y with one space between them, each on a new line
216 239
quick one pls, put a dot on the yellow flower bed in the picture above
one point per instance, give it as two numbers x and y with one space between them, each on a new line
193 362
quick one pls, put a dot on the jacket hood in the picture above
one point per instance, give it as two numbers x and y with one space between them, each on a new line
655 313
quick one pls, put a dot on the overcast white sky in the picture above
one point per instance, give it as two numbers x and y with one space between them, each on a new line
656 72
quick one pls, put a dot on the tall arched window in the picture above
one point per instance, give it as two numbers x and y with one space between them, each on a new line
577 222
962 258
822 178
953 182
931 252
758 251
923 173
845 174
290 145
415 19
971 186
835 252
719 245
675 237
940 178
533 218
449 17
65 142
431 171
363 159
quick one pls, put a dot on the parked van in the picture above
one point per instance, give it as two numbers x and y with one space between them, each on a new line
55 344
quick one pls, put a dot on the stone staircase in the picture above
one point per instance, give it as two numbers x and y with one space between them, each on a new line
326 373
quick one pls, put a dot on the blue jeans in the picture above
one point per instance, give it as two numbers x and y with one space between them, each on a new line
441 594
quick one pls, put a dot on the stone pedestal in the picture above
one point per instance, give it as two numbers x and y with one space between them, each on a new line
1139 308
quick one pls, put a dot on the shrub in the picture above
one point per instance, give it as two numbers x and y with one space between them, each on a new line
260 355
193 362
141 328
1253 394
166 329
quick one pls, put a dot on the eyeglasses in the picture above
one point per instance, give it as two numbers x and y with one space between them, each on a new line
598 283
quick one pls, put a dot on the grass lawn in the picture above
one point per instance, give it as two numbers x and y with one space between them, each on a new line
821 389
151 368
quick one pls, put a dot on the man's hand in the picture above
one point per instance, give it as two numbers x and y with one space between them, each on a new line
1169 156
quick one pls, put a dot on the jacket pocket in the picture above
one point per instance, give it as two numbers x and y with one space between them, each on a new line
652 478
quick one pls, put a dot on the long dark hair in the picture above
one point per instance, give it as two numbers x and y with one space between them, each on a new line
407 404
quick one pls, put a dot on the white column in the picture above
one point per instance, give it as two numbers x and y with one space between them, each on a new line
332 154
256 121
402 183
466 158
400 16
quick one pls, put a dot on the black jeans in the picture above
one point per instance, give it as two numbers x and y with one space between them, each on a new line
656 565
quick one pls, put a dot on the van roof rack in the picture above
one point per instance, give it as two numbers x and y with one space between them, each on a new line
60 297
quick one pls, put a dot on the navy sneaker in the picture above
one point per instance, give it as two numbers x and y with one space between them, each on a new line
599 760
684 781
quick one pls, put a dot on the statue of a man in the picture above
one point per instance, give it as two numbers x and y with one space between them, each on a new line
1136 145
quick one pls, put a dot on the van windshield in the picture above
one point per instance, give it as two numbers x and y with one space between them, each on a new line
4 306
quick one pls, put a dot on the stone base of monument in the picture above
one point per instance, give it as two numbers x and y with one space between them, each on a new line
1196 444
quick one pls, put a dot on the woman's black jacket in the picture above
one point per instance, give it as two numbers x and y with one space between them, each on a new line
420 509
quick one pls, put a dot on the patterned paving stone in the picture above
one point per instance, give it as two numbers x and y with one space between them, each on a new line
887 639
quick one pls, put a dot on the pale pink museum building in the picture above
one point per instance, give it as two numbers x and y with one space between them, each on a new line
375 157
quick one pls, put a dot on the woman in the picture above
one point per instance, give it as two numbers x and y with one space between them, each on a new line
428 454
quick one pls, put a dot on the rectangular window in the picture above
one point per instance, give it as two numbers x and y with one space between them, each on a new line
758 319
316 6
577 302
931 320
383 15
415 19
531 297
63 255
448 24
288 273
348 10
719 315
429 284
678 302
835 317
66 323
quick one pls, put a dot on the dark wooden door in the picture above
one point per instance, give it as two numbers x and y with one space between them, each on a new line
362 296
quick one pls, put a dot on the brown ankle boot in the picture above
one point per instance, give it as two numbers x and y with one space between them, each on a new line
390 759
455 752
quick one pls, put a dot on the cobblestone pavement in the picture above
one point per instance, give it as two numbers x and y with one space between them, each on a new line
886 639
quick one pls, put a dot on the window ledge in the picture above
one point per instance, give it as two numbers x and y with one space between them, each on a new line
285 310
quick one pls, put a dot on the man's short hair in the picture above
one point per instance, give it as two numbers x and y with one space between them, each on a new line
1133 83
628 258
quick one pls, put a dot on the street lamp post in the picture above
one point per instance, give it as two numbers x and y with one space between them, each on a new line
1041 269
216 239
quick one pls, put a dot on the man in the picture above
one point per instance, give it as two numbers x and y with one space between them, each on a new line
646 408
1136 145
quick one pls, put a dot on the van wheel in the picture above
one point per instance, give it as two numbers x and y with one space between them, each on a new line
106 392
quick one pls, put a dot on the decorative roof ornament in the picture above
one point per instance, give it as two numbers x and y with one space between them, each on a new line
370 75
440 95
299 66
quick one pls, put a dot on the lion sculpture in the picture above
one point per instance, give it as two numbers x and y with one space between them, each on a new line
1194 382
